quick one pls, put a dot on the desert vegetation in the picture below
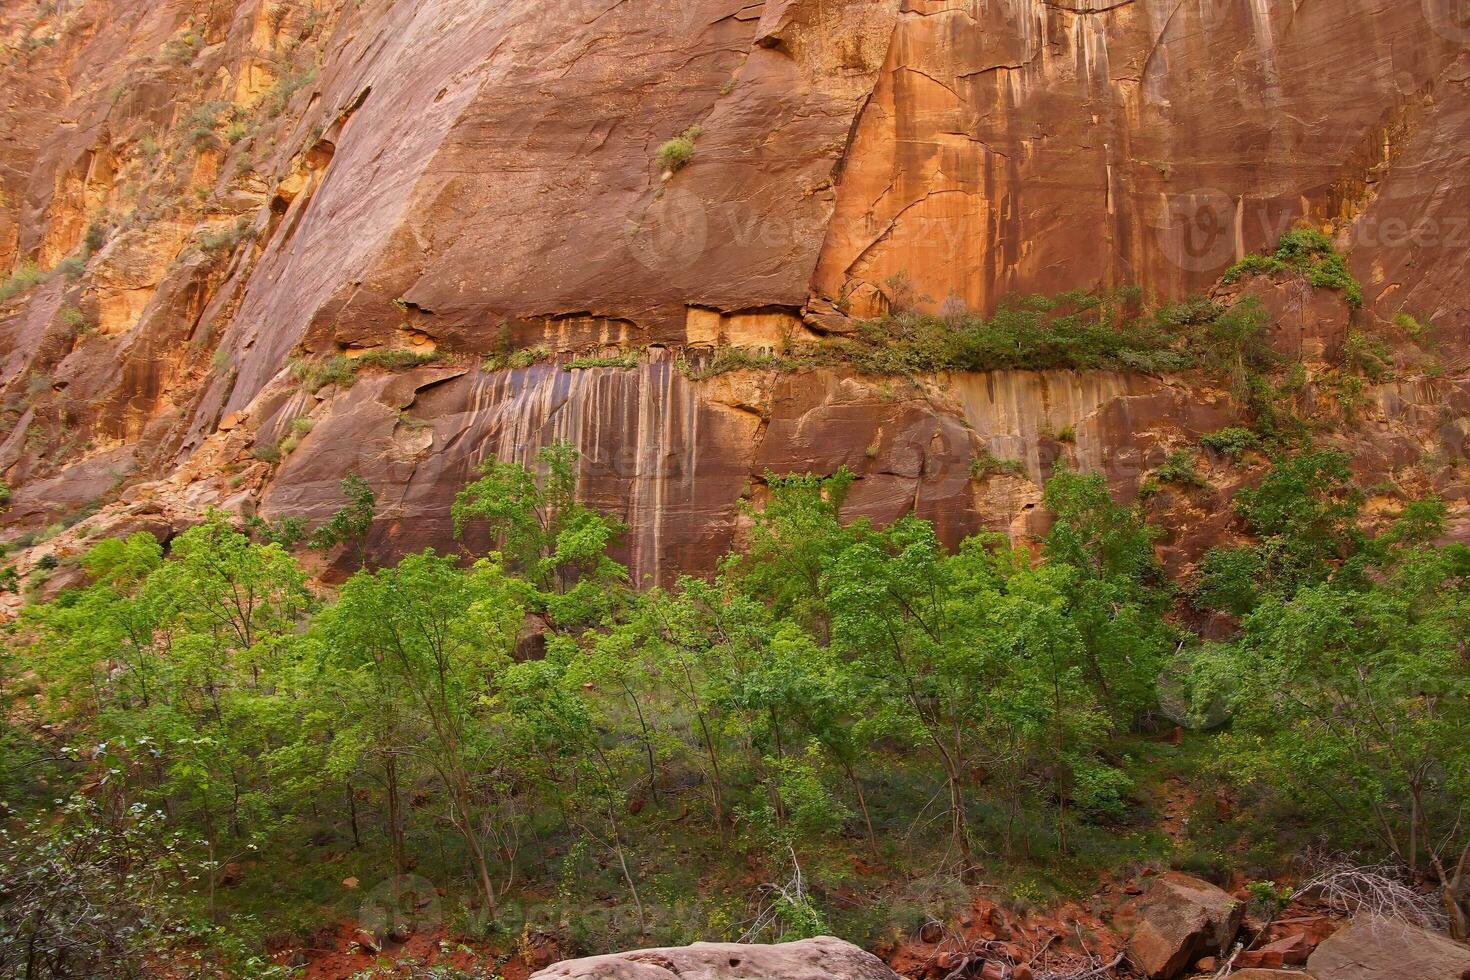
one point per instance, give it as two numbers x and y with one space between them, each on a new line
192 731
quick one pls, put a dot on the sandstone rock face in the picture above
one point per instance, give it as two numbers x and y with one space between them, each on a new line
1379 949
823 958
1177 920
227 191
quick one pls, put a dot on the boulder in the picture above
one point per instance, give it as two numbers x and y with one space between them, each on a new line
1370 948
1259 974
1287 951
1177 920
823 958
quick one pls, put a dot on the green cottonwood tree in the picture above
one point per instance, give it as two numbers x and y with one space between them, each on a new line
440 639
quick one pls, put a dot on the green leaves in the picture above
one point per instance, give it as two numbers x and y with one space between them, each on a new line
1349 681
549 537
352 523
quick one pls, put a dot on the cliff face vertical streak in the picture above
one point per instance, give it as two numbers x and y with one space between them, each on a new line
282 183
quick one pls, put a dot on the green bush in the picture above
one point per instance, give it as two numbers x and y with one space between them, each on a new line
727 359
1076 331
74 318
1178 469
678 152
336 370
226 238
72 267
1234 441
986 463
26 275
1308 253
1368 356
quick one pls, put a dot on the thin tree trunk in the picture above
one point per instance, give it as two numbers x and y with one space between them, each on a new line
857 788
352 814
395 815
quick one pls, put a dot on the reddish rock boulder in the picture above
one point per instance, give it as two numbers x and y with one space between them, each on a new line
1290 951
823 958
1259 974
1380 949
1177 920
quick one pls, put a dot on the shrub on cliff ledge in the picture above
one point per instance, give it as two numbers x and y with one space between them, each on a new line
679 151
1309 253
26 275
1080 331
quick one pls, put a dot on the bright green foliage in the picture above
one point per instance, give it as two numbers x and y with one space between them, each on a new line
440 638
1234 441
353 523
1352 692
1306 252
1304 514
1118 593
170 661
1178 469
558 543
793 541
678 152
522 723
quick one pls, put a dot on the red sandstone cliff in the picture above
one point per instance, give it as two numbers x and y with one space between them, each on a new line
270 182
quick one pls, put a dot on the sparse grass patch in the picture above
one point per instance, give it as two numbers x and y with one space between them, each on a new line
727 359
314 376
398 360
988 464
226 238
78 321
341 370
627 360
72 267
26 275
516 360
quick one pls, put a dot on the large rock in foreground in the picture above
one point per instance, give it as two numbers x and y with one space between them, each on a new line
823 958
1175 922
1381 949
